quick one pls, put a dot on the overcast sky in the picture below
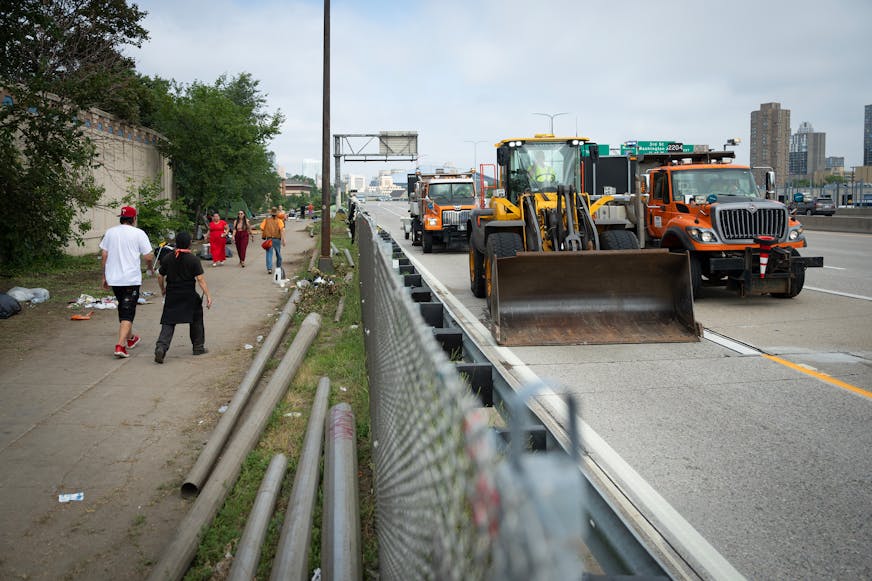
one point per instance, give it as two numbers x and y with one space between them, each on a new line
458 70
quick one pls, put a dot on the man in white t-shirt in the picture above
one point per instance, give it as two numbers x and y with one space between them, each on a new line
122 247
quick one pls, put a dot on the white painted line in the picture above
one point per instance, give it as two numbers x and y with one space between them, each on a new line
690 542
832 292
835 267
724 341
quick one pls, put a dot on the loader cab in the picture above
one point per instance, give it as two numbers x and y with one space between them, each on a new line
538 165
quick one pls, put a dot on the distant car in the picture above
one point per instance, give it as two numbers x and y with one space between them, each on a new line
822 206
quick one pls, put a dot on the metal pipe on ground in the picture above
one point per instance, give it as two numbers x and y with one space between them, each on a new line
248 552
177 557
340 529
339 309
200 472
348 257
292 555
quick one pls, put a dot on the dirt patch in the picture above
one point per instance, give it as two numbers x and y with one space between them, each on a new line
124 432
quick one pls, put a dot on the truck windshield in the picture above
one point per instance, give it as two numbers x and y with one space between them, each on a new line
460 194
695 185
541 167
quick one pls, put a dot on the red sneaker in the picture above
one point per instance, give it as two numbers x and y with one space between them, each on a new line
133 342
121 352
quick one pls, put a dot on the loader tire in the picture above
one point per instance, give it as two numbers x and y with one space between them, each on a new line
618 240
499 245
427 242
695 274
476 272
798 282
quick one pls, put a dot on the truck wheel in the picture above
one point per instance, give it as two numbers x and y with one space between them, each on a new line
476 272
499 245
798 282
618 240
407 235
427 242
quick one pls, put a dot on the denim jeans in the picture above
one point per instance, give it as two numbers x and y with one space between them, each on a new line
277 248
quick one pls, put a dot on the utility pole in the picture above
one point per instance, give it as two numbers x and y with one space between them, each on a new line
325 262
475 143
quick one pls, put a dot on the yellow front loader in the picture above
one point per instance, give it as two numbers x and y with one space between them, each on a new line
553 275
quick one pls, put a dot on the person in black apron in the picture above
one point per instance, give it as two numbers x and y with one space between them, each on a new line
178 273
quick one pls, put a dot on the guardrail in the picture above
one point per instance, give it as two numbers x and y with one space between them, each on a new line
451 501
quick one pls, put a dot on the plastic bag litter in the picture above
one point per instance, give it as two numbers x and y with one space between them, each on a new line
31 295
71 496
248 346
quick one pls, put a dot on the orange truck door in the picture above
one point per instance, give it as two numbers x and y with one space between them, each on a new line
657 205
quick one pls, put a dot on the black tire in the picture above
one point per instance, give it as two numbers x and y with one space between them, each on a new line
476 272
695 274
798 282
499 245
618 240
427 242
407 235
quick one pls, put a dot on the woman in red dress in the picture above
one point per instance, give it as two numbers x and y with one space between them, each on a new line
241 229
217 239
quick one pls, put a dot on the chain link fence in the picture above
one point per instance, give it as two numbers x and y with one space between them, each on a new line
447 507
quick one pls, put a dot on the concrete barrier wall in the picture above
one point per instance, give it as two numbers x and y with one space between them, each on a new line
128 156
855 222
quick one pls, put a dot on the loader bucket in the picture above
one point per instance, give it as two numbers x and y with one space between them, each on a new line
593 297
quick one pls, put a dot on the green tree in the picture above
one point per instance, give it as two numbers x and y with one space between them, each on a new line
56 58
216 141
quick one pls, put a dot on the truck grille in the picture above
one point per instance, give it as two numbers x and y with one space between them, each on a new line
454 217
743 224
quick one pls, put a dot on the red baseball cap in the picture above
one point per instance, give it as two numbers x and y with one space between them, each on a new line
127 212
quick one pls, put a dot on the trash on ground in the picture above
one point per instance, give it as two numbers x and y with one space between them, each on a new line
31 295
354 326
82 317
147 293
222 409
259 338
249 346
293 415
88 302
8 306
71 497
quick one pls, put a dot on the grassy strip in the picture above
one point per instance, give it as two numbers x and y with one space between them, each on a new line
337 353
65 277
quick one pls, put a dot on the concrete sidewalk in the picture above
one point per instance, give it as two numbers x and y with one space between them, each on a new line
122 431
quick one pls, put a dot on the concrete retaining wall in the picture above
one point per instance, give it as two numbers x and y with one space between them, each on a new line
128 156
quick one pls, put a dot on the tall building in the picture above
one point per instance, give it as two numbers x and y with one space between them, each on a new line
867 137
770 141
807 151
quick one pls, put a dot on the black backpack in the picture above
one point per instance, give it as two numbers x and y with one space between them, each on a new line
8 306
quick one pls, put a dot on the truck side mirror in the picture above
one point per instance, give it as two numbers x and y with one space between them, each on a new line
770 183
502 155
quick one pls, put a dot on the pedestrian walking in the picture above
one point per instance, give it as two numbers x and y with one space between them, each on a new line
122 246
273 229
241 233
218 239
178 273
310 210
352 215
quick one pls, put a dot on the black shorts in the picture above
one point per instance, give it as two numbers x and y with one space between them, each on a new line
127 296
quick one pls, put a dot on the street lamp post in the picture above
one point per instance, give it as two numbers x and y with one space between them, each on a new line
552 116
475 143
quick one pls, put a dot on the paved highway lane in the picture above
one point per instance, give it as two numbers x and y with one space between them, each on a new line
768 462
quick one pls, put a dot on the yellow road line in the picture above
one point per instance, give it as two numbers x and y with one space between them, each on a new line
817 374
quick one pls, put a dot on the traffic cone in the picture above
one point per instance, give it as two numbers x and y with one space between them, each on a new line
765 243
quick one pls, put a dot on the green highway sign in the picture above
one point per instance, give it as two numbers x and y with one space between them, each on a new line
643 147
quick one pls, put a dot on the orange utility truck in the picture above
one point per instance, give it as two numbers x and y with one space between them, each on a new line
734 236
